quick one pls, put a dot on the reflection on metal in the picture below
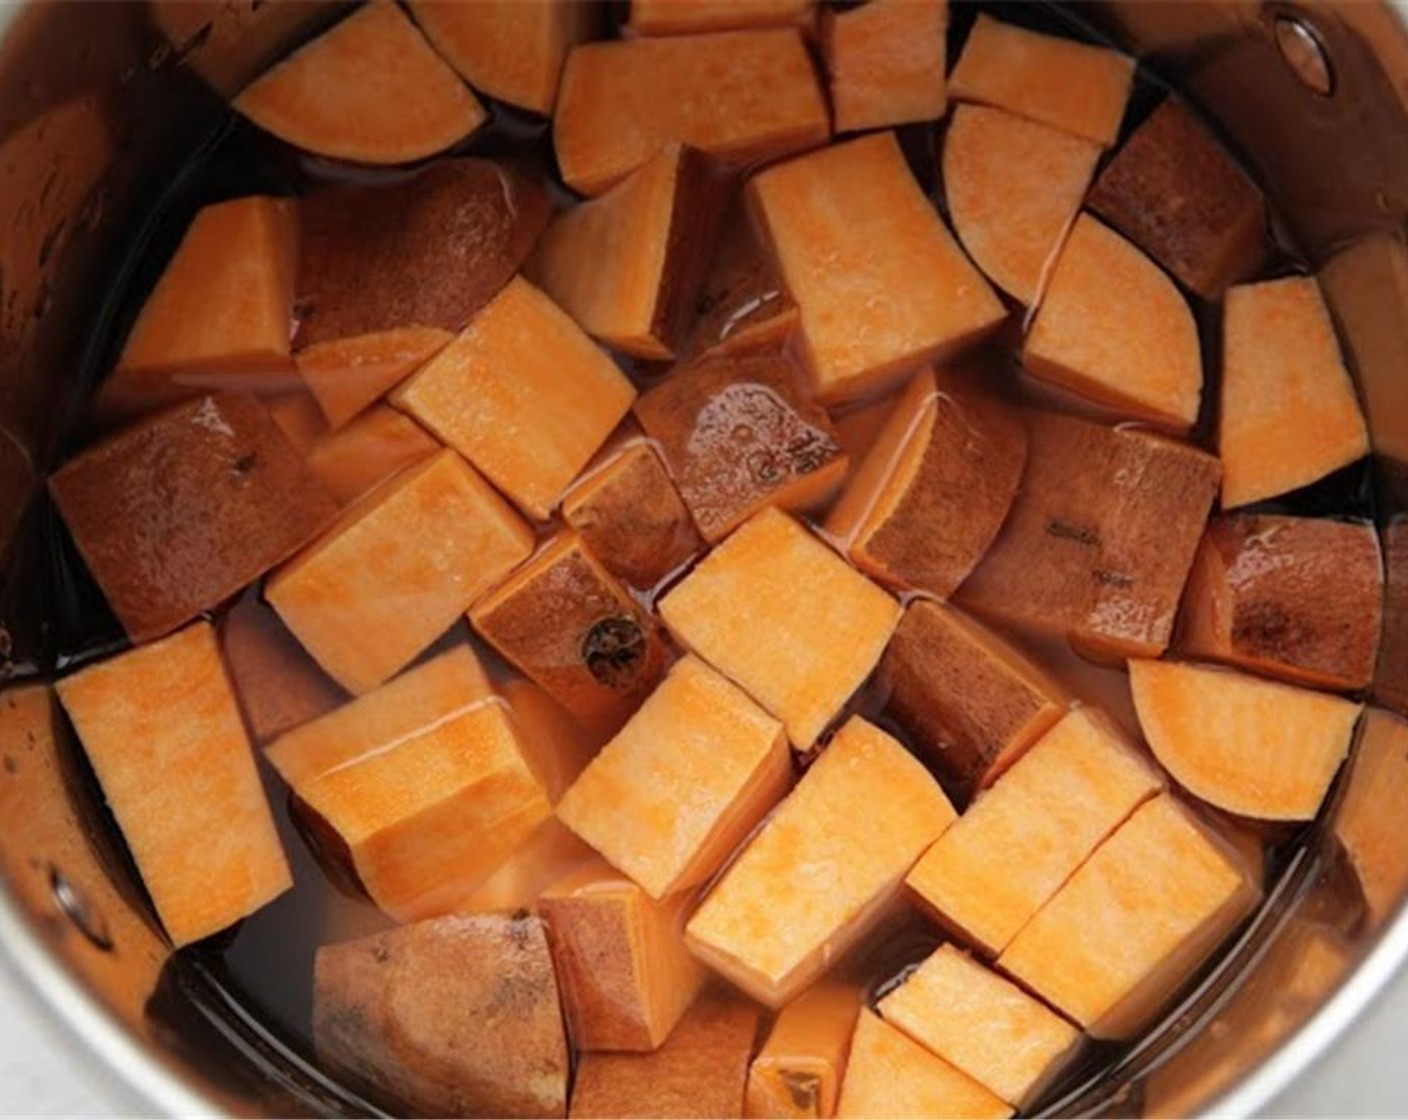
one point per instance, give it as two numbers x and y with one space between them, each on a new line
1304 53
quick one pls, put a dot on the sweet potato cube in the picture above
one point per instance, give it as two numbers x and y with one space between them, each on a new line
370 90
162 730
1076 87
699 1071
345 375
423 780
625 974
1368 821
555 745
982 1024
1014 187
1148 907
402 564
934 490
889 1074
739 433
858 426
771 927
457 1016
1291 597
880 283
299 418
551 853
1246 745
697 741
176 514
743 96
1019 841
751 609
378 444
886 61
798 1072
1289 414
686 17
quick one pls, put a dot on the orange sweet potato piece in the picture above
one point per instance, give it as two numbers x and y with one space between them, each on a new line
697 741
556 746
1368 822
858 426
798 1072
346 375
162 730
880 283
743 96
299 418
886 61
550 854
1289 414
685 17
370 90
378 444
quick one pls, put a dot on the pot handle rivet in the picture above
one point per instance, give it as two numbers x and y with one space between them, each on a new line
1304 52
76 907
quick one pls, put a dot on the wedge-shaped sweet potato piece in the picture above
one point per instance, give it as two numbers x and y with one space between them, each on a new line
1289 414
744 96
889 1074
772 929
934 490
1019 841
378 444
177 513
1014 187
685 17
1148 907
551 853
798 1071
161 727
739 433
1076 87
1292 597
881 285
697 741
457 1016
1245 745
1368 821
858 426
781 614
299 418
402 564
625 974
886 61
1112 327
982 1024
346 375
556 746
370 90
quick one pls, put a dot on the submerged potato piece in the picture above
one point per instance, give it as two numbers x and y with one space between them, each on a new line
785 617
523 394
457 1016
1242 744
551 853
555 744
346 375
1368 821
685 17
1289 414
370 90
881 285
698 741
739 433
299 418
1014 187
162 730
397 569
886 61
797 1074
378 444
1076 87
177 513
1136 919
771 927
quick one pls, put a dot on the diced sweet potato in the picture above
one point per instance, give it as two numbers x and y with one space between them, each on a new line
550 854
1391 675
698 741
397 569
178 513
299 418
798 1072
457 1016
371 90
563 621
1014 187
934 490
1289 414
556 746
625 974
886 61
785 617
523 394
982 1024
881 285
889 1074
1368 821
744 96
1245 745
739 433
819 874
858 426
699 1071
685 17
1292 597
1136 918
1008 854
378 444
628 265
1076 87
346 375
161 727
423 781
1101 537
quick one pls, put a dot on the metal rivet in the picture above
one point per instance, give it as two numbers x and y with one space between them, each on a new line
79 910
1305 54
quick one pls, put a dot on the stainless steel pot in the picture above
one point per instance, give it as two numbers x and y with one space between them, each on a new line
96 100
